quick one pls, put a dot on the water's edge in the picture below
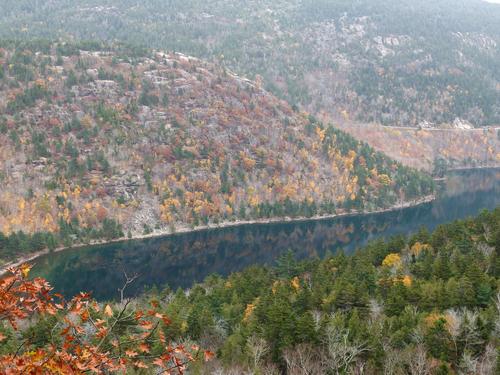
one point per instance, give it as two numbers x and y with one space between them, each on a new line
227 224
183 259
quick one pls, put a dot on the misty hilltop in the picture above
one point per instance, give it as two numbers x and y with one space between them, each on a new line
405 63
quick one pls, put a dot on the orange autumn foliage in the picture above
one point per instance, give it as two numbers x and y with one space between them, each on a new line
89 341
102 213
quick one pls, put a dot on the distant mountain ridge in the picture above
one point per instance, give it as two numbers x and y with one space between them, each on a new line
391 62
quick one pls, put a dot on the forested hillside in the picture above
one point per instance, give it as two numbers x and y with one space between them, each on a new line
126 119
100 143
391 62
433 150
426 304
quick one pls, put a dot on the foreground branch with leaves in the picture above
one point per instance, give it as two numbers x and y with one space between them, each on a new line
82 335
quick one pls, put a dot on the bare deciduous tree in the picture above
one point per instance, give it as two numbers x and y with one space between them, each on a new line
497 320
128 280
258 348
393 361
454 321
341 352
317 315
270 369
469 328
304 359
487 363
359 367
376 310
482 365
468 364
417 361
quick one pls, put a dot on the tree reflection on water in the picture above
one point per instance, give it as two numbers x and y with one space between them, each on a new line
182 259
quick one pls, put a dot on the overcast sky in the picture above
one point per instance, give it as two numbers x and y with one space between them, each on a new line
493 1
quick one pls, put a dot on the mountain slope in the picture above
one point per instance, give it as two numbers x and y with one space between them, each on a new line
166 141
432 149
391 62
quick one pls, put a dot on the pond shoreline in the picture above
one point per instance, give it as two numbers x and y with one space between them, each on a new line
465 169
228 224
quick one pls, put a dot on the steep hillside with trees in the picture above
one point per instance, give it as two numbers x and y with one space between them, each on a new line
426 304
386 61
430 149
99 143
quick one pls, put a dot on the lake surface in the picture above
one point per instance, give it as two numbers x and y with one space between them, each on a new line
182 259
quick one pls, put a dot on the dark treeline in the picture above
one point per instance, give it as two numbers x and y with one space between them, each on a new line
19 244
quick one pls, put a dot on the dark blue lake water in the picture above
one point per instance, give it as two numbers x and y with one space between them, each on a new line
182 259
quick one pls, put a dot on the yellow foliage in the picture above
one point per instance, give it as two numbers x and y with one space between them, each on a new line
21 204
25 269
290 190
418 247
76 192
320 133
44 204
87 121
304 154
384 179
253 201
431 319
392 260
275 286
295 283
172 203
249 310
407 280
248 162
40 82
184 326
